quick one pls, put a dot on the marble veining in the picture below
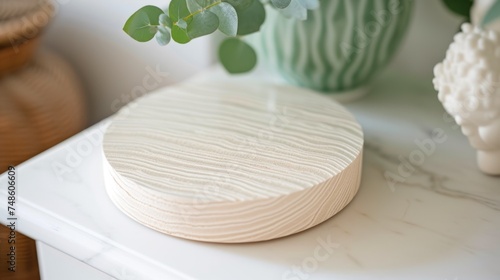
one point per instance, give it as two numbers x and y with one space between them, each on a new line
435 182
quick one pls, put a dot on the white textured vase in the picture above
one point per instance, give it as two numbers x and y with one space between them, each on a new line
468 82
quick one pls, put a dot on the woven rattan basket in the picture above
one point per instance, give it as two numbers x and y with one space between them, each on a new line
17 8
21 23
40 105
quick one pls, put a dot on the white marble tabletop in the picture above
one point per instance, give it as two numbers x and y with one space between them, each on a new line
423 210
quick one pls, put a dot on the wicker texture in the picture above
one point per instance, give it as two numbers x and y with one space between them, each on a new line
17 8
21 23
40 106
17 30
14 58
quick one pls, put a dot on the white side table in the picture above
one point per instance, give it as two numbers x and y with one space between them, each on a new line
437 217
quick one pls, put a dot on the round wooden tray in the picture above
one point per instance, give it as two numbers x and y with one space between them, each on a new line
232 162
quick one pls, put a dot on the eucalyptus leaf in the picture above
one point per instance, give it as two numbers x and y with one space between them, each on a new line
185 20
228 18
206 3
180 35
182 23
242 4
203 23
178 10
281 4
163 36
237 56
141 26
250 17
298 8
492 14
193 5
165 20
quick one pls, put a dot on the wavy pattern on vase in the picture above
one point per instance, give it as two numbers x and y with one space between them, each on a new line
339 47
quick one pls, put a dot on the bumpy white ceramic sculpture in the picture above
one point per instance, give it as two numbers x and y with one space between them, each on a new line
468 82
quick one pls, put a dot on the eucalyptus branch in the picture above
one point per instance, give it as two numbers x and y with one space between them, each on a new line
186 18
190 19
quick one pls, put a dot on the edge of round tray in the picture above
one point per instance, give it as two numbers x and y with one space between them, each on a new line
245 218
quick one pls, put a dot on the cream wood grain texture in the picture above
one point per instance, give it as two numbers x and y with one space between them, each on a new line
232 162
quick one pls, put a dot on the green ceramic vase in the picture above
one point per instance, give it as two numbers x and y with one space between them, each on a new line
339 48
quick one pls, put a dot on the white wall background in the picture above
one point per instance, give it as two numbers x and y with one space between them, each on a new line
429 35
110 63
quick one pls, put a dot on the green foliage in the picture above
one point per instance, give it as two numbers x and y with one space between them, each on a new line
460 7
142 25
243 4
165 21
203 23
163 36
492 14
463 7
237 56
180 35
228 18
178 10
186 20
281 4
298 8
251 16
